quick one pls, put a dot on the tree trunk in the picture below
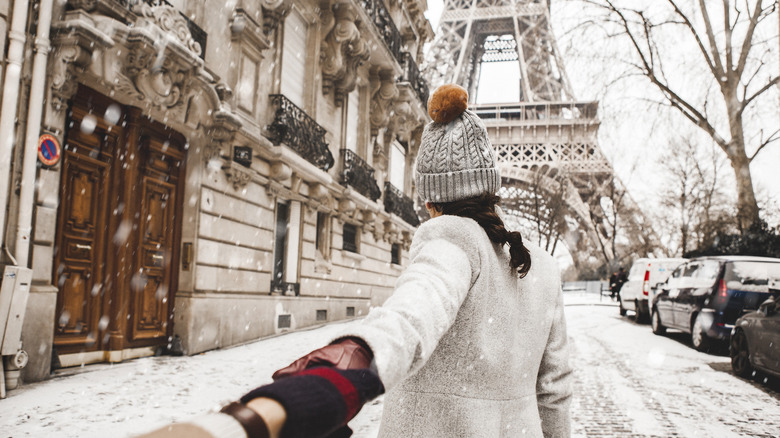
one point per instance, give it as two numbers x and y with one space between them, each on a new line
747 208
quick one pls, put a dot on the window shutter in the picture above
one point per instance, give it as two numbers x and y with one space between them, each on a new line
353 117
397 165
294 58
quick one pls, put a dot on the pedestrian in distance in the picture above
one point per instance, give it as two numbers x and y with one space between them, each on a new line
472 343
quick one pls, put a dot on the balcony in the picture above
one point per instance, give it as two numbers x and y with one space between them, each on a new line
377 11
300 132
411 74
199 35
358 174
543 113
400 205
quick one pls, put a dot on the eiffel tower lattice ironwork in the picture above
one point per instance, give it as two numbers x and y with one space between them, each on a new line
548 139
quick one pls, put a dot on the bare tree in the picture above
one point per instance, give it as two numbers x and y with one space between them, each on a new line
738 67
681 198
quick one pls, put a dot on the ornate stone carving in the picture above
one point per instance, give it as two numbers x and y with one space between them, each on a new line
342 52
274 12
280 171
382 94
162 59
221 132
170 21
237 174
243 27
74 39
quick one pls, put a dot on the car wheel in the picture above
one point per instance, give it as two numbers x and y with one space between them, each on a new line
740 356
639 317
699 339
622 309
655 323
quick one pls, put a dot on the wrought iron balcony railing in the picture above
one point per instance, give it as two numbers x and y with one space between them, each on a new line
358 174
300 132
381 18
198 34
401 205
412 75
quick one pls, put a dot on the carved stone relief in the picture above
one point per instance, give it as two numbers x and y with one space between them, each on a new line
342 51
383 93
237 174
74 40
274 12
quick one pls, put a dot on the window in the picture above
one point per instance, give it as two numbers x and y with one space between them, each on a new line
247 83
322 242
282 210
397 165
294 58
395 254
322 315
353 117
350 238
284 321
286 248
350 311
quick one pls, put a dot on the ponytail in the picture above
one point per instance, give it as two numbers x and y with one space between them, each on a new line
483 210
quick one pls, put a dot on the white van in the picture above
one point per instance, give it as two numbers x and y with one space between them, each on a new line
644 274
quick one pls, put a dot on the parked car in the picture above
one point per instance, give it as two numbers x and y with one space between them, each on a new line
635 293
706 295
755 340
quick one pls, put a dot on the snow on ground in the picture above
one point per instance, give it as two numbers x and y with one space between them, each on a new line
632 383
627 382
136 396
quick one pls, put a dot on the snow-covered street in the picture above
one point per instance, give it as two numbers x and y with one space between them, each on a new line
628 382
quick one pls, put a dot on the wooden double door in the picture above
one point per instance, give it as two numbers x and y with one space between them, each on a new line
118 228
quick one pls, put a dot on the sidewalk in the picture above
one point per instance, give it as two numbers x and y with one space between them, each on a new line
582 298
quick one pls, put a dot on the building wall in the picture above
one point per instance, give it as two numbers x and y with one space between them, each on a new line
220 103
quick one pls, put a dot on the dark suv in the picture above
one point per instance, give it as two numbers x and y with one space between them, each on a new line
706 295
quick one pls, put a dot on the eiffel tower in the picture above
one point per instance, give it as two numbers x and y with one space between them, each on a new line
547 141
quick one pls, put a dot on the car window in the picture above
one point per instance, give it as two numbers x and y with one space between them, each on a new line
708 271
678 272
690 269
751 276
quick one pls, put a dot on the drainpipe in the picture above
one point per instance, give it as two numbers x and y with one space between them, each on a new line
17 38
34 115
15 362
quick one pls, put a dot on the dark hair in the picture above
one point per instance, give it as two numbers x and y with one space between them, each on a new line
483 210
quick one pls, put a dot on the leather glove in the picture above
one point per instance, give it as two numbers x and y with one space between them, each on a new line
345 354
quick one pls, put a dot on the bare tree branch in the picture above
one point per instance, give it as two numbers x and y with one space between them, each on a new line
774 137
747 43
715 66
768 85
711 37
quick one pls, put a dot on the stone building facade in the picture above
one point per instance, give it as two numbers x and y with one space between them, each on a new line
229 170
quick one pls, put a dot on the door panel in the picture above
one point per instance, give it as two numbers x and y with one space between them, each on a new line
154 260
80 243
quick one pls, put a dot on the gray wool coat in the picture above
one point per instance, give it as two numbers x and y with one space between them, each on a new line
464 347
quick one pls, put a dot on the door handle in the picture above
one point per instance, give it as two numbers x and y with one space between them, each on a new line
84 247
157 257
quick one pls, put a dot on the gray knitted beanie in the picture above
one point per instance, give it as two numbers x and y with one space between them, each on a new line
456 160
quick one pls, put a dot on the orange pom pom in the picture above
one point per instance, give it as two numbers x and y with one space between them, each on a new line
448 102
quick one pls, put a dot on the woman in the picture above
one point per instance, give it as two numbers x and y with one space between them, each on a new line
473 341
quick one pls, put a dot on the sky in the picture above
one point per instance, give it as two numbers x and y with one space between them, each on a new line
634 140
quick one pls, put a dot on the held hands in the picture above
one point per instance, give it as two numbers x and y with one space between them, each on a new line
344 354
